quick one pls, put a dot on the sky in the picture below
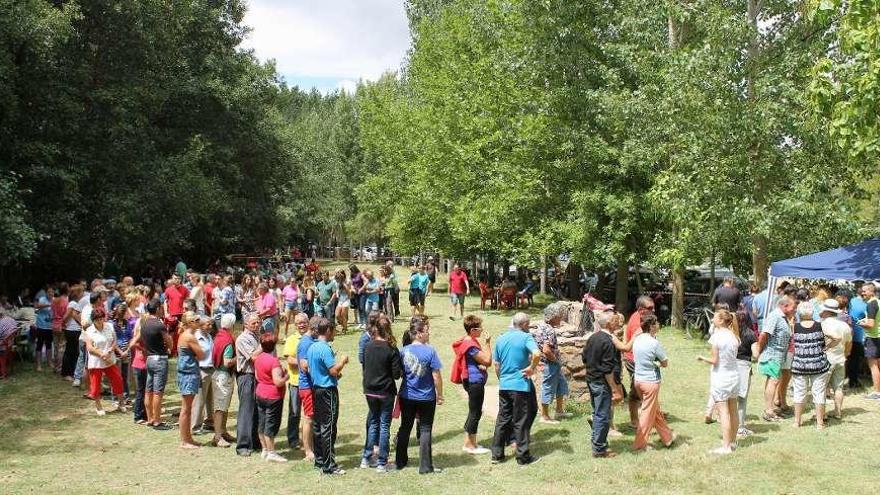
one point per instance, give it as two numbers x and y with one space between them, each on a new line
329 44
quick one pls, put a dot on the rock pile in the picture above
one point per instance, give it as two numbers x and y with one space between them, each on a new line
571 340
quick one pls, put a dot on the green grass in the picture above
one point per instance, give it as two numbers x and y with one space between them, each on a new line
51 442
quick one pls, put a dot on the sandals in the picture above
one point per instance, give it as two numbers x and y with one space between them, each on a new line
770 417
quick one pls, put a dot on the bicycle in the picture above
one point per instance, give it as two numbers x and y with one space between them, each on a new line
697 319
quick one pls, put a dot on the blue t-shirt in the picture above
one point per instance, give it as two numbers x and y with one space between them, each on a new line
419 362
475 374
302 351
44 315
321 359
419 281
759 303
513 352
373 285
858 309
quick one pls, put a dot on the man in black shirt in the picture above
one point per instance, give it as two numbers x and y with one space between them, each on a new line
600 357
727 294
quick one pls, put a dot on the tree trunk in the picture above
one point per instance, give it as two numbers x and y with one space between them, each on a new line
491 269
621 291
678 296
760 260
543 274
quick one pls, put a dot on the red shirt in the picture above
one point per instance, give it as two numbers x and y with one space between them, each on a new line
174 296
263 366
634 323
209 295
458 282
59 307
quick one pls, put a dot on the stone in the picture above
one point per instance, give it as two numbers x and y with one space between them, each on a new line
571 340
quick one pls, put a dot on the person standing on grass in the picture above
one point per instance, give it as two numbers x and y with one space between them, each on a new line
267 309
290 293
59 309
305 387
100 339
459 287
189 353
810 366
357 301
222 381
471 363
224 300
324 370
515 356
301 325
746 354
839 334
202 412
247 349
156 342
371 293
649 358
43 324
724 379
271 378
600 357
72 331
644 306
382 366
343 300
421 391
871 324
553 382
416 296
392 290
857 309
773 342
327 290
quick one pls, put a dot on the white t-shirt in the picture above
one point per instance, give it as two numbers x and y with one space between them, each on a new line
86 320
836 329
102 340
71 324
727 346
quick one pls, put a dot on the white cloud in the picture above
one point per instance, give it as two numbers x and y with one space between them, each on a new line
346 40
347 85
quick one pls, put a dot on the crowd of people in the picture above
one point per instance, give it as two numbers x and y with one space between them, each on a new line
128 333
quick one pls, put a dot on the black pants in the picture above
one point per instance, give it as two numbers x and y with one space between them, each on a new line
71 352
854 363
326 406
140 380
516 414
247 438
44 341
475 392
408 411
395 298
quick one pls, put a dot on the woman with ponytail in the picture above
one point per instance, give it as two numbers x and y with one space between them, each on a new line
724 380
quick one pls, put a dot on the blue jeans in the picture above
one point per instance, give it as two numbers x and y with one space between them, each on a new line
600 397
80 362
362 309
370 306
379 427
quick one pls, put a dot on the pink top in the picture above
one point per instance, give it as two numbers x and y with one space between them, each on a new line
268 301
290 293
138 360
263 366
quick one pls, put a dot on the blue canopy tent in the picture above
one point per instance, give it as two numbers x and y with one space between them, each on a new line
855 262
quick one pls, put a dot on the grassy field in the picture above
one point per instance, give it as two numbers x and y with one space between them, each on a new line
52 442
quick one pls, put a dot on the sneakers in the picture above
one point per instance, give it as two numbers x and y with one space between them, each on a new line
478 450
75 383
100 412
274 457
264 453
528 461
335 472
383 469
220 442
873 396
744 432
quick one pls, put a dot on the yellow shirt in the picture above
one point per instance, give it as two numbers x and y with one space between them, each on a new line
290 350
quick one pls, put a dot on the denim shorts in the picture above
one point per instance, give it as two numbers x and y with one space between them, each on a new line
188 383
456 299
291 306
157 374
553 383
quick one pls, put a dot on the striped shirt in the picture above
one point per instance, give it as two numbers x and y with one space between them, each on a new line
809 351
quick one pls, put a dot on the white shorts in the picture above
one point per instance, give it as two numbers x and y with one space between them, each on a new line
836 376
744 369
223 384
815 384
724 386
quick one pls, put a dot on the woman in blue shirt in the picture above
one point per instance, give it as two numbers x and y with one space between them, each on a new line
421 391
